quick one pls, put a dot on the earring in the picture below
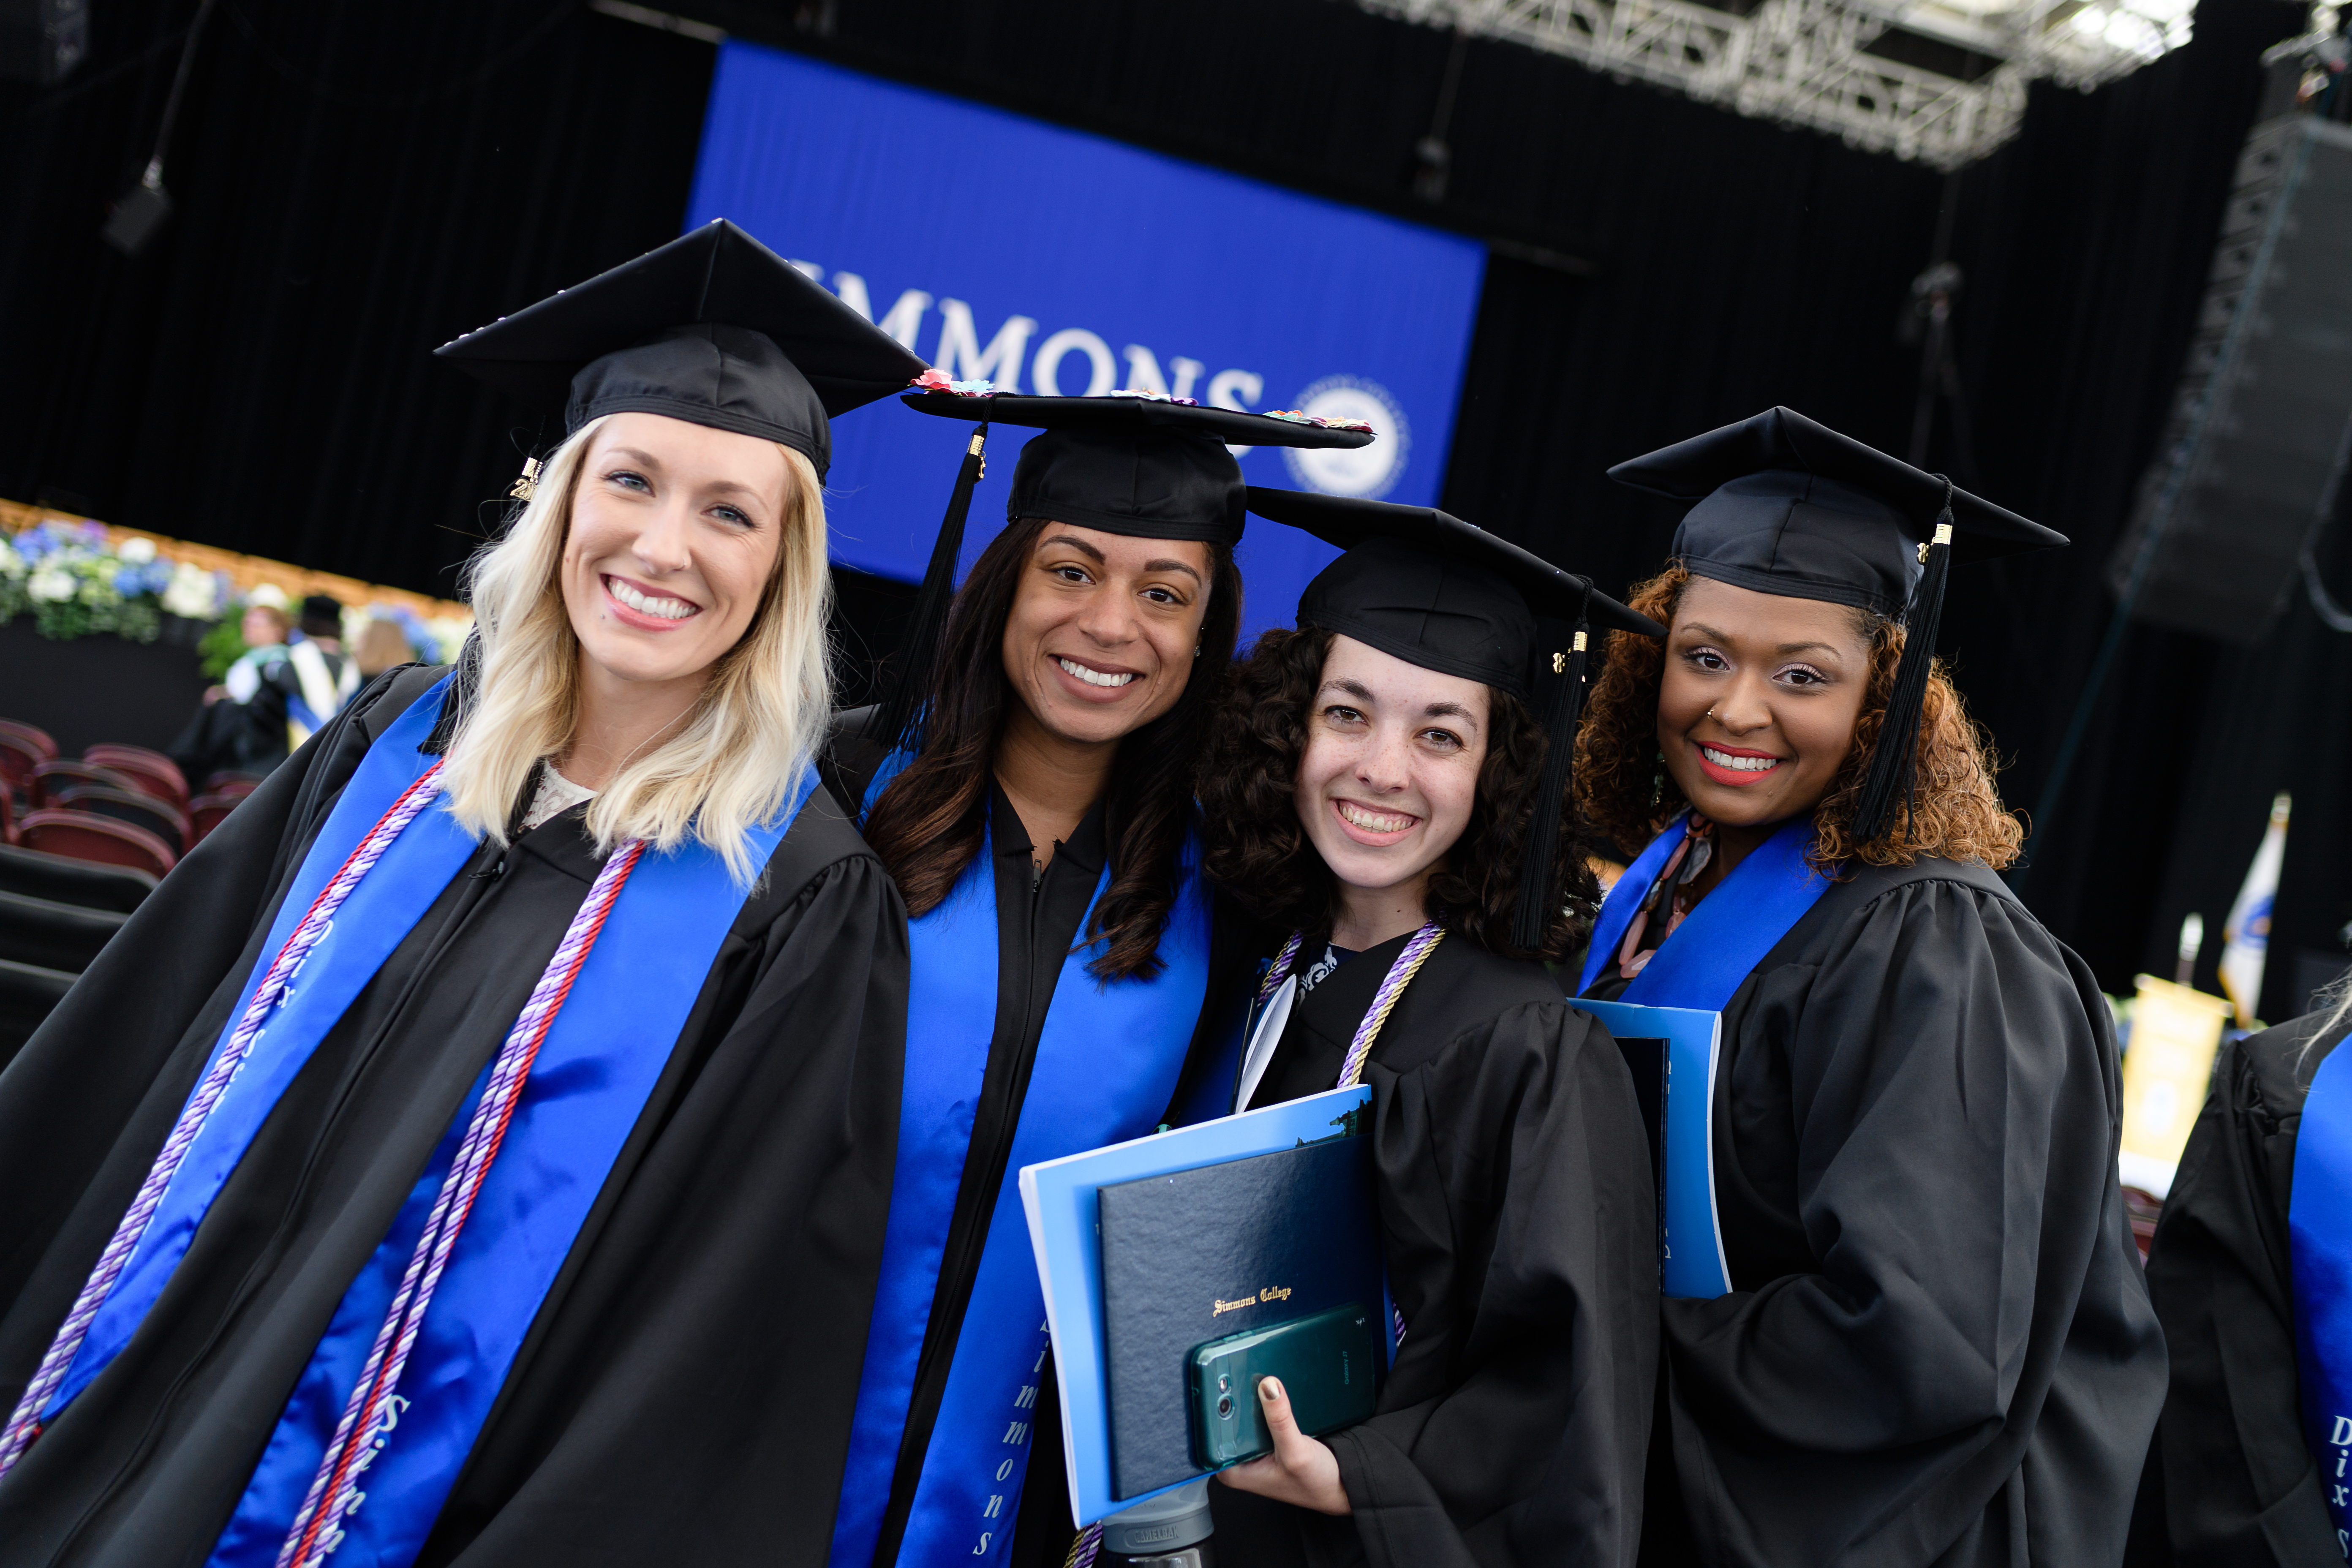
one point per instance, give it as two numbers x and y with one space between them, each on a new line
1658 781
1196 650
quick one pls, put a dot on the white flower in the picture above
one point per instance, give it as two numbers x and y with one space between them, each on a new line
136 552
449 631
50 584
271 594
12 565
191 592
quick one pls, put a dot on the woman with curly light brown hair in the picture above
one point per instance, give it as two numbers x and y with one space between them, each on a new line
1933 1344
1382 788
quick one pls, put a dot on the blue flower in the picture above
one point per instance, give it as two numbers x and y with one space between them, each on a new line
130 580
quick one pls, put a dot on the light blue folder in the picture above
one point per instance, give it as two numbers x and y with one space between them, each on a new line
1693 1262
1059 1197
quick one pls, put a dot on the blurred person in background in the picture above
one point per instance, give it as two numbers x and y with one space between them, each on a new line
491 1122
266 626
382 644
312 682
1936 1346
226 734
2252 1274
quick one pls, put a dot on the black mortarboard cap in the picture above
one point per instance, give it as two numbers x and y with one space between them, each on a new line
1147 466
1434 590
713 327
1785 505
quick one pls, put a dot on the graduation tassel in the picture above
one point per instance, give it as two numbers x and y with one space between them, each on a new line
1894 765
1559 771
893 724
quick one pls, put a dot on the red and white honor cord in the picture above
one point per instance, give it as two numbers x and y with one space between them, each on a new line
277 984
370 1414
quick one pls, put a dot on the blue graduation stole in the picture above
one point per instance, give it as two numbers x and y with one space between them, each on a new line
2320 1247
597 1066
1107 1061
1722 940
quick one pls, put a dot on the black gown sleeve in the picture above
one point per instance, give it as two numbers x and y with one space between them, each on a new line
1521 1228
1955 1361
92 1096
2240 1488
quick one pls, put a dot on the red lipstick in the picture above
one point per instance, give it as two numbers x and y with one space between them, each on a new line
1734 778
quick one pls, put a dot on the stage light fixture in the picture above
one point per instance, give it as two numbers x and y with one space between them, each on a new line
43 40
137 213
1940 81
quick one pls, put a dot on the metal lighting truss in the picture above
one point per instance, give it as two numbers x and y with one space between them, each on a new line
1810 62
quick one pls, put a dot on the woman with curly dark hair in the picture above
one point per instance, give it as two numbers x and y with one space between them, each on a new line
1032 795
1378 786
1935 1345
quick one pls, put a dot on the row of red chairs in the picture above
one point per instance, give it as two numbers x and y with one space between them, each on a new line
117 805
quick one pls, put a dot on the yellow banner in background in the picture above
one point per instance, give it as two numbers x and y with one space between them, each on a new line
2175 1032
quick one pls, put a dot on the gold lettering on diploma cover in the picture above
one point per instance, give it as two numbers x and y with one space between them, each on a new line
1271 1293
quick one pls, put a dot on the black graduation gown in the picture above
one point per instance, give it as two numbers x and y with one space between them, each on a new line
685 1390
1037 918
1939 1347
2233 1484
1518 1220
1038 915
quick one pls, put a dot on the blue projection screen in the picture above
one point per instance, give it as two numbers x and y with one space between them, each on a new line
1050 261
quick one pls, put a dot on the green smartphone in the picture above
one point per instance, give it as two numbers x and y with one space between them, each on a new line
1327 1364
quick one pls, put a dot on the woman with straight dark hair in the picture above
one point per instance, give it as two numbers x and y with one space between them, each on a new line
1932 1344
1380 789
1034 799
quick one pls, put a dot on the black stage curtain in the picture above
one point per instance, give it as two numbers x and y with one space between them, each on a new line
355 184
1662 265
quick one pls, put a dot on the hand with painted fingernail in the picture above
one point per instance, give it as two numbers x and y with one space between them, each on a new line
1302 1470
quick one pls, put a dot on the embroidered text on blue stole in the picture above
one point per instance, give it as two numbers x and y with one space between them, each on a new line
1107 1061
1722 940
2319 1230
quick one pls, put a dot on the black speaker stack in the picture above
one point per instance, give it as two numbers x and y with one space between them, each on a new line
2262 421
42 40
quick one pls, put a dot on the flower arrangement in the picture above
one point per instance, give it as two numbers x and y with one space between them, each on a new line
937 381
1296 417
75 584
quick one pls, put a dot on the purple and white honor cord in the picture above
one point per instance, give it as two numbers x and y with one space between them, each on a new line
1401 973
373 1409
1407 964
23 1425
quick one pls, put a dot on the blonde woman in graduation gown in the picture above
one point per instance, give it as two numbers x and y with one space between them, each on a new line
475 1152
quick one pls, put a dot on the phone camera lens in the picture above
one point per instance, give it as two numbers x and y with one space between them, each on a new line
1225 1408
